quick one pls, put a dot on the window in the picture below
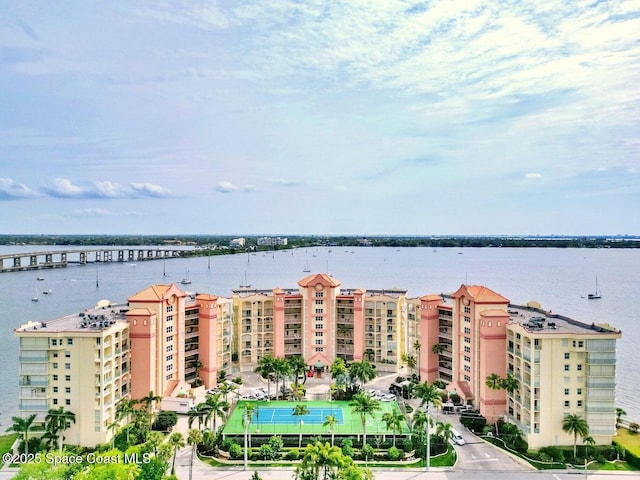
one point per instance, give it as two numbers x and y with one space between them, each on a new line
70 341
467 309
319 302
467 330
579 403
467 358
319 294
467 378
55 389
55 365
319 349
579 367
67 389
566 391
169 318
319 319
67 354
55 401
580 344
319 334
54 342
467 340
467 319
169 309
55 378
579 391
467 368
467 349
319 341
319 311
566 355
170 329
67 378
318 326
168 339
567 404
67 401
566 367
169 368
55 354
169 348
169 358
67 366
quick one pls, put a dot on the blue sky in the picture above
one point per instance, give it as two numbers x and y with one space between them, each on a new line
314 117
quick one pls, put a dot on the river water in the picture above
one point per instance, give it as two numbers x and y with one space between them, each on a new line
559 279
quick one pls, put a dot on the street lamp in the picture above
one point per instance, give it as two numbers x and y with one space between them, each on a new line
428 453
246 431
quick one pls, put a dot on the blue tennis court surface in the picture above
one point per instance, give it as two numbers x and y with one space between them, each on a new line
284 415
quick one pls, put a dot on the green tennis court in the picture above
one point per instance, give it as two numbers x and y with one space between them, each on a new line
276 418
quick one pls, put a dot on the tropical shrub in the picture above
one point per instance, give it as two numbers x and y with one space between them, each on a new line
394 453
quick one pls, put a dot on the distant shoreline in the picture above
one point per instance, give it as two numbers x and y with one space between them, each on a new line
208 244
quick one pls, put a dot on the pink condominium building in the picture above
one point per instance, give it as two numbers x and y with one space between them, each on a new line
165 338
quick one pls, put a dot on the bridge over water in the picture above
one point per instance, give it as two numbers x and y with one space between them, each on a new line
14 262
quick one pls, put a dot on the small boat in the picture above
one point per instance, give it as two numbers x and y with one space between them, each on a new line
35 297
185 280
596 295
40 279
46 292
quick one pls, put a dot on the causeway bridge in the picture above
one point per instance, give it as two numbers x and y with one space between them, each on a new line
14 262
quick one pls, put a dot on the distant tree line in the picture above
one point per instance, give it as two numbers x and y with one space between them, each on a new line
210 244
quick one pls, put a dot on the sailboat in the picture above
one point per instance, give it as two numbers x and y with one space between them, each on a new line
245 284
185 280
596 295
35 297
306 264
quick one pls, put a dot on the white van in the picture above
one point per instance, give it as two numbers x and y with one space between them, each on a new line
456 437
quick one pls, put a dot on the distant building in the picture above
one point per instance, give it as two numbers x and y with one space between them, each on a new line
272 241
237 242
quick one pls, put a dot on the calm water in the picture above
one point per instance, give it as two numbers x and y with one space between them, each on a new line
558 278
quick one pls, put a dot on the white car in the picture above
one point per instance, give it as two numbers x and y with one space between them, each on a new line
388 397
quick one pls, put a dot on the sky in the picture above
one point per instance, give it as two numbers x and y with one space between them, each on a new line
320 117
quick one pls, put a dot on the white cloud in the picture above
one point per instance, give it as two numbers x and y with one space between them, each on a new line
225 186
533 176
10 189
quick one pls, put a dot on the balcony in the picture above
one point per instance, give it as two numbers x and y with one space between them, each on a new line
34 406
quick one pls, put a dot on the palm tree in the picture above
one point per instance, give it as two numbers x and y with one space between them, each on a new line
226 388
445 430
265 369
297 391
494 382
429 395
588 441
281 370
176 441
58 420
575 425
217 407
298 367
22 426
362 371
124 409
510 383
619 414
365 406
198 411
150 402
416 348
338 371
393 422
300 410
113 427
321 460
194 438
330 421
247 419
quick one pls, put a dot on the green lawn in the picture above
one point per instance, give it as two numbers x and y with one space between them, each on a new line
6 442
352 424
629 440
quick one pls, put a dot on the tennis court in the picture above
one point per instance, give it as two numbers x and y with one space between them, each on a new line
276 418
